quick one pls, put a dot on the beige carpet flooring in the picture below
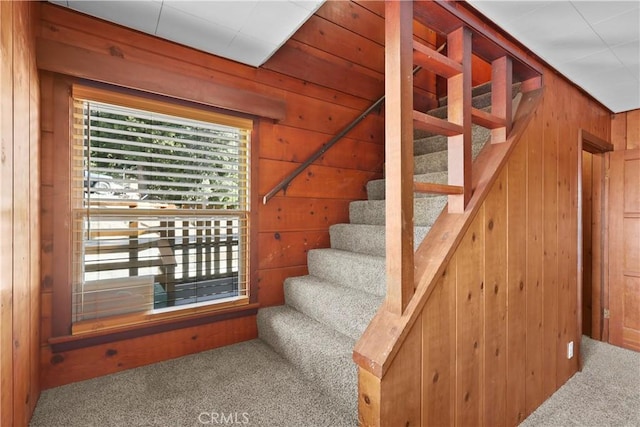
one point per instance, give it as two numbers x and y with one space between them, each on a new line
248 384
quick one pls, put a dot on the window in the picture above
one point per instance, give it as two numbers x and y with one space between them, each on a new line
160 205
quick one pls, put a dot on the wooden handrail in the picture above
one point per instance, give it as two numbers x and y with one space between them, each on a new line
284 184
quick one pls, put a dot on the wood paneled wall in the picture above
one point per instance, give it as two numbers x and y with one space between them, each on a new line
622 283
327 74
625 130
495 330
19 216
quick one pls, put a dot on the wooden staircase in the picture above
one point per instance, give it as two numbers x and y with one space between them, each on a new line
327 311
373 263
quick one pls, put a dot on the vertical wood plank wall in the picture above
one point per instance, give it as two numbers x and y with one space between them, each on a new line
19 215
625 130
496 327
621 293
330 71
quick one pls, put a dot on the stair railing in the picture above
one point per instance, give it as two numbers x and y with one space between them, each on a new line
402 52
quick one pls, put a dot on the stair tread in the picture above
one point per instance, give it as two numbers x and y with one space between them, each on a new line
426 210
344 309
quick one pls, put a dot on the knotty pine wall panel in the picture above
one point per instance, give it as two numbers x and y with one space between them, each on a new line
625 130
19 214
495 304
325 80
94 361
528 261
516 270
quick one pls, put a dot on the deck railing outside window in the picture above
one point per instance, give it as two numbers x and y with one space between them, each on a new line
160 210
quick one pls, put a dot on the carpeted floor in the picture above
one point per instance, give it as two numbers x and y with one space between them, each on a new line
605 394
242 384
248 384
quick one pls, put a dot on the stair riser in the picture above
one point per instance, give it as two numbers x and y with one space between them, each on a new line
428 145
425 211
366 239
476 91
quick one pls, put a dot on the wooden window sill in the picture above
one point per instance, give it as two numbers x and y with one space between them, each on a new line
87 334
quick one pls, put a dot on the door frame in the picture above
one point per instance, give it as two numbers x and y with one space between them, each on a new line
594 145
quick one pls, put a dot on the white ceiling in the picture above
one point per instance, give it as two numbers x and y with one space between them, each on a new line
247 31
595 44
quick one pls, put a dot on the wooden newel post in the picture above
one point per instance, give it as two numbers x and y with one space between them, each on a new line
459 112
501 96
399 153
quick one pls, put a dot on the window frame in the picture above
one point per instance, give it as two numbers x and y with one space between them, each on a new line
63 329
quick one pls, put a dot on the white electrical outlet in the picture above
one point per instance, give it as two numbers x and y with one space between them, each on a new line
570 350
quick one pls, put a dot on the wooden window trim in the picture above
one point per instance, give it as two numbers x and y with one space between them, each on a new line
73 342
89 333
142 103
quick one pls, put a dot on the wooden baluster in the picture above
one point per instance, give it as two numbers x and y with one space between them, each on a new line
207 245
186 251
229 247
134 249
459 112
501 96
170 284
199 251
399 153
217 224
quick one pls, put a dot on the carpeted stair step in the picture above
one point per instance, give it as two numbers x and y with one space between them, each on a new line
481 99
322 354
475 91
344 309
480 102
376 187
365 238
430 144
425 211
439 161
359 271
433 144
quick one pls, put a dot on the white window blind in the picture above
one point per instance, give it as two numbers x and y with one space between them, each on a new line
160 211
